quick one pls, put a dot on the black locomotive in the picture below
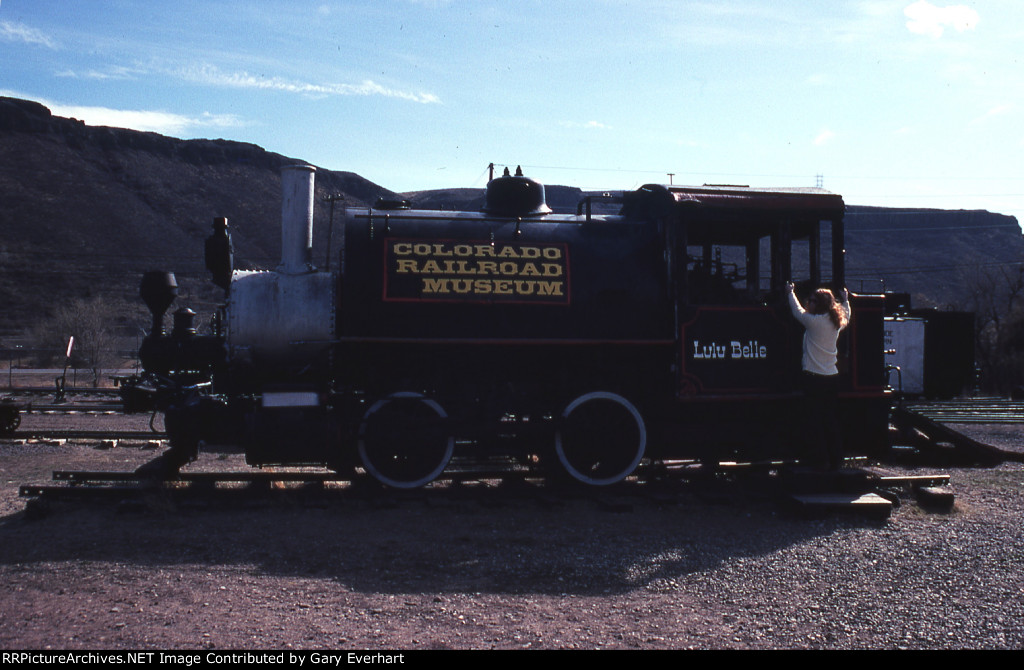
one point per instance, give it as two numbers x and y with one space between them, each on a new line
583 345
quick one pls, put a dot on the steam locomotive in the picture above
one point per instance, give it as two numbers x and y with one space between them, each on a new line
580 345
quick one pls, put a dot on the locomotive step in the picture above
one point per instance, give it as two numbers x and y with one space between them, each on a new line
870 504
935 498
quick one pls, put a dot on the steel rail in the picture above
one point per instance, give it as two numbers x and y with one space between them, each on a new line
64 434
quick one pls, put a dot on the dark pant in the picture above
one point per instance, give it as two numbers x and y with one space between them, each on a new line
824 447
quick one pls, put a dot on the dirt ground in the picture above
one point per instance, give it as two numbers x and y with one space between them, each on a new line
495 568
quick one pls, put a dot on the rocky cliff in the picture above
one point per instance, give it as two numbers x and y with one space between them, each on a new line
84 211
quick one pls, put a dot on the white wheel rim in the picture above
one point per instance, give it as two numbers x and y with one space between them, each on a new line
375 471
640 448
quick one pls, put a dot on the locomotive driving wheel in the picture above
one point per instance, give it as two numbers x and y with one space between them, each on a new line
600 438
404 441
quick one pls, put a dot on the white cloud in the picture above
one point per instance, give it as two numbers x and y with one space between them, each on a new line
115 72
924 18
165 123
431 4
996 111
211 75
824 137
590 125
19 32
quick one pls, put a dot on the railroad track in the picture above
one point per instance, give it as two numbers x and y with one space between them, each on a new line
103 407
65 434
97 401
970 410
79 393
964 410
861 491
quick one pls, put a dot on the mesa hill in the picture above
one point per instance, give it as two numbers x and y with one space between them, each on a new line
85 210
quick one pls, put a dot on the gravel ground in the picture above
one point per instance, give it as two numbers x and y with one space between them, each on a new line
504 569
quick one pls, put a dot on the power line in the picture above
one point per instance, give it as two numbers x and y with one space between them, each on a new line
773 175
850 231
855 271
939 195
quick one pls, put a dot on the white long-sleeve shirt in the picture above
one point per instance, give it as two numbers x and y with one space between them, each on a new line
820 337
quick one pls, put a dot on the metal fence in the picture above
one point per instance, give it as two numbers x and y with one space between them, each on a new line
19 369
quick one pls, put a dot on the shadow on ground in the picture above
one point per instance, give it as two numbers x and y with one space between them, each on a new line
485 540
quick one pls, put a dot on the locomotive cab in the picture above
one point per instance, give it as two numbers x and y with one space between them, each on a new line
733 249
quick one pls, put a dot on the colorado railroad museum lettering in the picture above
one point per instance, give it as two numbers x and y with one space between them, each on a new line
460 269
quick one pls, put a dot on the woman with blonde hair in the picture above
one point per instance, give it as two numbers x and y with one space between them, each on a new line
823 319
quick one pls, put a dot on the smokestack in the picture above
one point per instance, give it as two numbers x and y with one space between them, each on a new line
297 219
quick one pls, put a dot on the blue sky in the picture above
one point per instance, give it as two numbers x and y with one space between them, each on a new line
892 102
